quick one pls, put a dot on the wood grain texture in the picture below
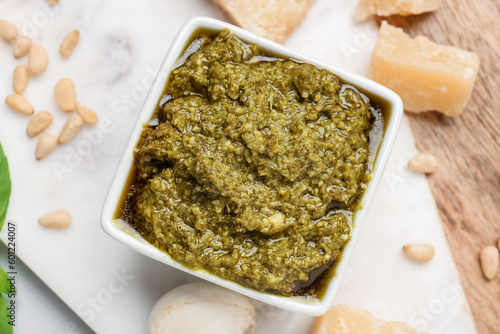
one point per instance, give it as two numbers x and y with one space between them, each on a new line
467 185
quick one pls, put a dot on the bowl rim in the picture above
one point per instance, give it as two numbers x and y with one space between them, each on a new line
133 240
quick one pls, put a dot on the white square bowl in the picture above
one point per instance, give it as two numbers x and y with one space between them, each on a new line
119 231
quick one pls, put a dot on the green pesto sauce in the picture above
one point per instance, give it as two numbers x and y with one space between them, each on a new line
252 166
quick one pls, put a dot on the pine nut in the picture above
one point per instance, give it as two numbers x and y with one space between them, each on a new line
8 31
38 123
277 220
19 103
52 2
73 124
489 258
88 116
69 43
424 163
45 145
65 95
419 252
56 219
20 79
38 59
22 45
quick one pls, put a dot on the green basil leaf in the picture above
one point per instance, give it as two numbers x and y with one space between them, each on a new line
5 327
5 186
4 282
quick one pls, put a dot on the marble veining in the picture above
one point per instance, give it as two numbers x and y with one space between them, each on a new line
122 44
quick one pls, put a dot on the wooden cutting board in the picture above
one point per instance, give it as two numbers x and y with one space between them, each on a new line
123 48
467 185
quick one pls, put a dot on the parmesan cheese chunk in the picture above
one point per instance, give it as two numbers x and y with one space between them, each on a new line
273 19
343 319
367 8
426 76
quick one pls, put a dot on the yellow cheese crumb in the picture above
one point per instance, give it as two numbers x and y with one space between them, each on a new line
426 76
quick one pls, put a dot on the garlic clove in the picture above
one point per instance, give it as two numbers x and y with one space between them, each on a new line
202 308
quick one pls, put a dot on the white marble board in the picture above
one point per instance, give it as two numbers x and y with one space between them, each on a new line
113 288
